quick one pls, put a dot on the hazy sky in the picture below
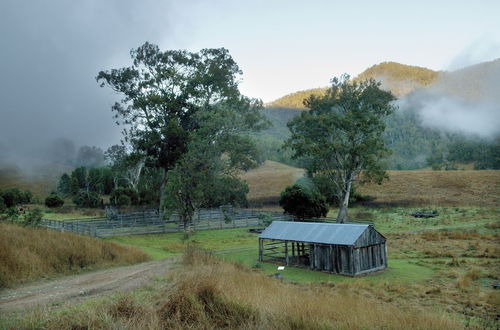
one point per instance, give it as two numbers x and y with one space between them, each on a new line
51 50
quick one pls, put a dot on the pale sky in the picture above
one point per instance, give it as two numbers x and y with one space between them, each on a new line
52 50
285 46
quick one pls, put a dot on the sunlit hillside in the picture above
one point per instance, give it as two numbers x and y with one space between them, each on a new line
404 188
269 180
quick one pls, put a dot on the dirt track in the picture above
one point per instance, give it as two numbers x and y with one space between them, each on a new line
78 288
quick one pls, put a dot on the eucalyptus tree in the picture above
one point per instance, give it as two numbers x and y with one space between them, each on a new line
162 94
341 136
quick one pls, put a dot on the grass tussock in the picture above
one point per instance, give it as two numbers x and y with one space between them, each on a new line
28 254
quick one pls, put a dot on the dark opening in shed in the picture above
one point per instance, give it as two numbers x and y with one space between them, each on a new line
348 249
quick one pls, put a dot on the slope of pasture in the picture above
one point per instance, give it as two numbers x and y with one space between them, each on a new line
268 181
41 180
440 188
28 254
404 188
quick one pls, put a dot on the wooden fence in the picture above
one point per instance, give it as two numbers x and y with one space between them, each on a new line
149 223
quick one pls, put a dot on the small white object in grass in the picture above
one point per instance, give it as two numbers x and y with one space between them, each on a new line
281 267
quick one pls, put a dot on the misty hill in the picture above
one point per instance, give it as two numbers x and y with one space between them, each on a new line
475 83
442 117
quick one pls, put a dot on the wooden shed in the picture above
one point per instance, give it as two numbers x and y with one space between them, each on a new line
347 249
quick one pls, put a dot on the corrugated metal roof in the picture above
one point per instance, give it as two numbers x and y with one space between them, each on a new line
314 232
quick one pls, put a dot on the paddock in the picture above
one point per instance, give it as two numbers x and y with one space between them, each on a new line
347 249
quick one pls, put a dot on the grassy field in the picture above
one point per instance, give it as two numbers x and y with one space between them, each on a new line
449 262
268 181
28 254
437 188
443 266
207 293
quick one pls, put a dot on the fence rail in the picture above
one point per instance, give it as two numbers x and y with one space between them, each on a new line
119 224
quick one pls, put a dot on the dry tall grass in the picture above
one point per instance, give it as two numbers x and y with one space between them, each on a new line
208 293
404 188
443 188
269 180
30 253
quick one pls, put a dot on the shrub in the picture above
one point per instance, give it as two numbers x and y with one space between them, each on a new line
123 200
11 197
33 217
3 207
124 196
302 203
54 200
87 199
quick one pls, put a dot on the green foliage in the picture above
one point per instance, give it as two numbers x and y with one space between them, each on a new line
87 199
226 190
303 203
3 207
123 201
13 196
165 94
124 197
64 186
341 135
12 213
32 217
54 200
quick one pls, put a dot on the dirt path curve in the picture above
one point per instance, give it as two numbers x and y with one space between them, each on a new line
78 288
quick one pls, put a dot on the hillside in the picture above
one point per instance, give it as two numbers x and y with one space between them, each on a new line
404 188
400 79
475 83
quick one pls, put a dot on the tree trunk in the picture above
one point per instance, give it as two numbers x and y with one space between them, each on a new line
162 191
342 216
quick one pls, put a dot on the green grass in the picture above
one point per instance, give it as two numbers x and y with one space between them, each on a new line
241 246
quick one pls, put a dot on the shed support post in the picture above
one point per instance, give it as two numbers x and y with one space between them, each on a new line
261 246
286 253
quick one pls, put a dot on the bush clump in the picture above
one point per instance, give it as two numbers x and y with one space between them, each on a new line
13 196
54 200
87 199
124 197
303 203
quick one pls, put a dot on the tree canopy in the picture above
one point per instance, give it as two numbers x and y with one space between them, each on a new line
164 97
341 135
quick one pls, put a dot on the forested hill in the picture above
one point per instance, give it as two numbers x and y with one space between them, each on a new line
400 79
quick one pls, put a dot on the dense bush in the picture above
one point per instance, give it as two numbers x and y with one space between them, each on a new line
54 200
32 217
303 203
3 207
13 196
124 197
87 199
123 200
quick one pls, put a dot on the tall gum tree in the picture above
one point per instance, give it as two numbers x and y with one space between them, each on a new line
340 136
162 93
